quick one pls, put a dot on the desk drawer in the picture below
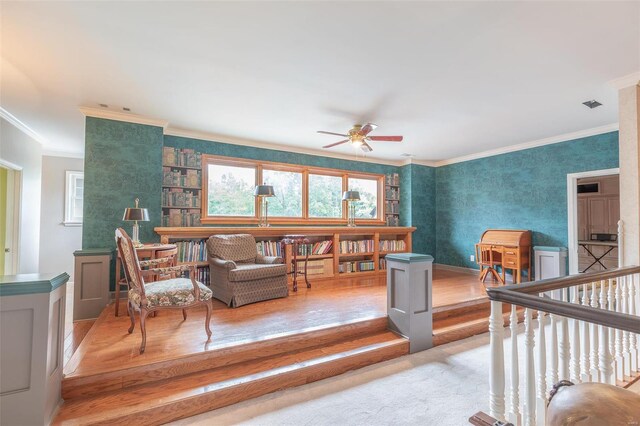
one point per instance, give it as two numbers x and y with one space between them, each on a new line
510 261
510 252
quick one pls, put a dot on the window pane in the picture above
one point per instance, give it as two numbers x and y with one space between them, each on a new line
230 190
366 208
77 209
325 196
288 189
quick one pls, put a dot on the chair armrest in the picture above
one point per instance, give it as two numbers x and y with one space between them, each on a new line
154 262
220 263
268 260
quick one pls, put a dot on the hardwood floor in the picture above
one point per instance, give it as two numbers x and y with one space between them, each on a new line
315 333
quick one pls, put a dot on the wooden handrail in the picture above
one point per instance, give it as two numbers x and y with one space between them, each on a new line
525 295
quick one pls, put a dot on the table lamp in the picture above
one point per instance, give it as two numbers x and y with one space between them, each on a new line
350 197
136 214
263 192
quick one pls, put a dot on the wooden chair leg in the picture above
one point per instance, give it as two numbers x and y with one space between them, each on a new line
184 314
143 317
208 319
131 317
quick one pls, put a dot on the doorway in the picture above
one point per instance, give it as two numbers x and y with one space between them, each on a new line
10 179
593 209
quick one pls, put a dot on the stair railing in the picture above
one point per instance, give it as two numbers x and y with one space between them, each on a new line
587 328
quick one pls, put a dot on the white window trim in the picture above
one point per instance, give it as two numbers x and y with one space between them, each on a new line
70 177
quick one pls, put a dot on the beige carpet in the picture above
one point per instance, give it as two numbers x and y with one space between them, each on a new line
442 386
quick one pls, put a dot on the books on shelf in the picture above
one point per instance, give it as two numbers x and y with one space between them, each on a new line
392 179
361 246
356 266
391 193
191 179
191 251
392 245
177 197
314 267
320 247
203 275
392 220
382 264
392 207
181 157
177 217
269 248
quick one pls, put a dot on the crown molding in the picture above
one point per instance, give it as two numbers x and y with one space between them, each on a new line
212 137
122 116
628 80
65 154
532 144
22 126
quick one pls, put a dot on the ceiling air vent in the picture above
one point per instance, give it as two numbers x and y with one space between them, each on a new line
592 104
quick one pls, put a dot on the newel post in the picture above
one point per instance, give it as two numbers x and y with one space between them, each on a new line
496 372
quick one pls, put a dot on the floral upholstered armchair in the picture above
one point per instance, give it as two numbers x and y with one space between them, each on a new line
239 275
172 292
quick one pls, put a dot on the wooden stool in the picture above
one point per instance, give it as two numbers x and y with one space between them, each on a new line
295 241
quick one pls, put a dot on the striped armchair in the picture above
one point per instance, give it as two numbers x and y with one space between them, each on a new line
239 275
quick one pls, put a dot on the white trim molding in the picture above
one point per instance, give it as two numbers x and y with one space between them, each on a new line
47 153
572 211
122 116
628 80
532 144
22 126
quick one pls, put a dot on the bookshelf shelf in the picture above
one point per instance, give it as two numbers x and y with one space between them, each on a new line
392 199
181 186
181 207
368 253
173 166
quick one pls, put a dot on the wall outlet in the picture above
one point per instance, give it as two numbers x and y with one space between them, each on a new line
472 258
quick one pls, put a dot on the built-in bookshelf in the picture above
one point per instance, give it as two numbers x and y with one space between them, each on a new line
181 187
392 199
333 251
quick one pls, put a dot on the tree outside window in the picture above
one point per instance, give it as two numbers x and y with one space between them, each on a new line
366 208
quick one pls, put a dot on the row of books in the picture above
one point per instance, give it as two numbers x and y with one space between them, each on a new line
392 193
357 266
392 179
178 198
191 251
392 207
178 217
321 247
203 275
192 178
181 157
392 245
269 248
362 246
314 267
382 264
393 220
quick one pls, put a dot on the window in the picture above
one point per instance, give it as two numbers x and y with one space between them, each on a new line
287 187
230 190
303 195
325 196
367 207
74 195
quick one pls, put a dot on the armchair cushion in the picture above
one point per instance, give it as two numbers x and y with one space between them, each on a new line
251 272
240 248
172 292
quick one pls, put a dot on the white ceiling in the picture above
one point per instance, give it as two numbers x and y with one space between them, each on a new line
454 78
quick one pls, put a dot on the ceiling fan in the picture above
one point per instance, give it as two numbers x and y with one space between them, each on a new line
359 136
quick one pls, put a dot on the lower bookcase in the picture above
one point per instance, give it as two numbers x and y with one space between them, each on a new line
333 252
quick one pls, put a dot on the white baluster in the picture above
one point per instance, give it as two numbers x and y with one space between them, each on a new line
593 337
574 365
619 360
585 367
496 372
633 341
529 407
605 366
541 388
564 350
553 352
513 416
626 348
611 307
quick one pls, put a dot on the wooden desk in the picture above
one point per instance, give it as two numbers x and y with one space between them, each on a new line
513 247
148 251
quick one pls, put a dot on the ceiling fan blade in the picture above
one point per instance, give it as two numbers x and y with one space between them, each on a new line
367 128
385 138
331 133
337 143
366 147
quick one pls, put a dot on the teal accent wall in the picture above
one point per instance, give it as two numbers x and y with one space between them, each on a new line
519 190
123 161
418 205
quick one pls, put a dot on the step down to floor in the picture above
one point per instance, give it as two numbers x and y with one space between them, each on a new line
187 395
